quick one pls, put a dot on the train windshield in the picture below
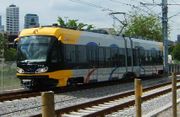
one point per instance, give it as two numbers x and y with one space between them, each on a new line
33 48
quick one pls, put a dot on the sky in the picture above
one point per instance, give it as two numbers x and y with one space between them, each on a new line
94 12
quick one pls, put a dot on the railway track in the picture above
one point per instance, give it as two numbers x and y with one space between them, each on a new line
107 105
18 95
12 95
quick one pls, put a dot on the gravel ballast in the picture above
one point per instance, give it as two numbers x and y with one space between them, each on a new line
147 107
32 106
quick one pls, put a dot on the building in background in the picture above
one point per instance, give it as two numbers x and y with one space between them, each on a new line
12 20
1 26
178 38
31 20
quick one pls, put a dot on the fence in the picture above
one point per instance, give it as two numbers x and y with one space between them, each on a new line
8 78
174 68
138 96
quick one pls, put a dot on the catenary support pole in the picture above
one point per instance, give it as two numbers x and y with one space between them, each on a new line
165 34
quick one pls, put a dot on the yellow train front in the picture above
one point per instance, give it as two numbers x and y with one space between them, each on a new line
56 57
39 57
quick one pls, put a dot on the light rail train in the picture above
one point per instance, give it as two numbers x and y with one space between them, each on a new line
55 57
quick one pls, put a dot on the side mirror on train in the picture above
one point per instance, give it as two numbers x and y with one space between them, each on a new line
15 42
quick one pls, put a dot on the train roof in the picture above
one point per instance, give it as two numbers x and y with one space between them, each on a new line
69 36
50 31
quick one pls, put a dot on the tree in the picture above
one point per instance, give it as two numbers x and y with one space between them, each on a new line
10 54
74 24
61 22
170 49
176 52
145 26
3 43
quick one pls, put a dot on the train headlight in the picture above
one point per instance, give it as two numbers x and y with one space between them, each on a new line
41 70
20 70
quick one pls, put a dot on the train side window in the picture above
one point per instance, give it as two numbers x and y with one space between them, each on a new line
146 58
81 52
150 57
160 59
92 55
157 57
142 56
54 55
107 57
114 56
101 57
70 54
153 55
60 55
135 57
129 57
121 57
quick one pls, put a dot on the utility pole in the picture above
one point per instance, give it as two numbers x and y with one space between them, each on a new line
165 33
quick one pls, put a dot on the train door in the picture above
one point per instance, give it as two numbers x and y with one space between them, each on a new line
129 58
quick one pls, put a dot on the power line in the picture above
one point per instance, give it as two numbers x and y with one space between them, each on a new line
174 15
92 5
150 9
131 5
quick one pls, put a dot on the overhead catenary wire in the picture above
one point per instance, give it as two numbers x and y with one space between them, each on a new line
92 5
149 11
132 5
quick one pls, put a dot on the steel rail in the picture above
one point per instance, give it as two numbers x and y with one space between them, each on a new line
32 93
103 112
